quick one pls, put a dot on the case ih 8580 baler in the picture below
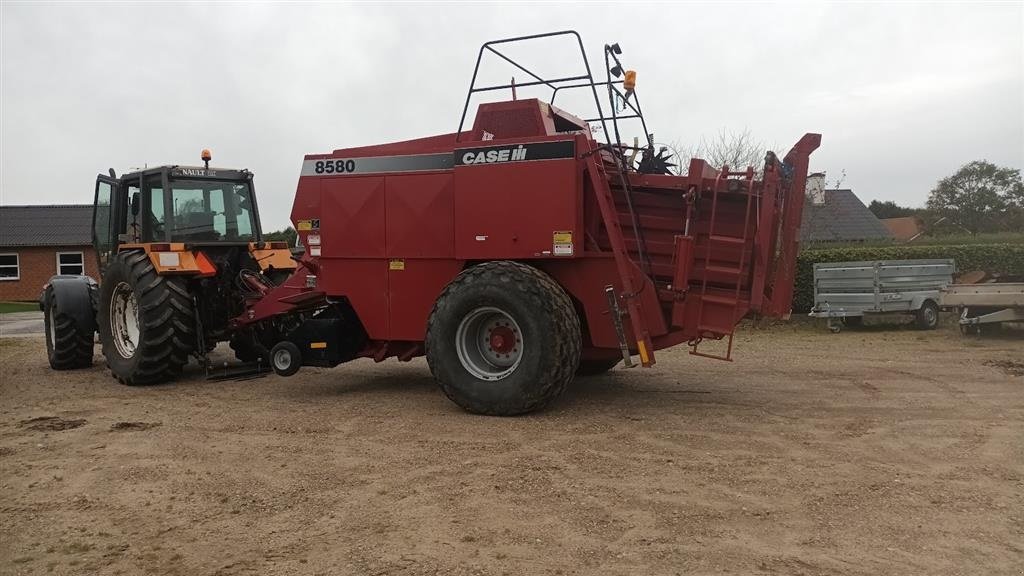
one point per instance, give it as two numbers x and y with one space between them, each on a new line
514 254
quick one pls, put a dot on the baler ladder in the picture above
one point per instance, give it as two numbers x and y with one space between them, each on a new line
718 331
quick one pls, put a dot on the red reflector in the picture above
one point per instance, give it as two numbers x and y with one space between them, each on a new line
159 247
279 245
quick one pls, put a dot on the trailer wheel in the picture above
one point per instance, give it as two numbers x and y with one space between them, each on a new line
68 346
928 316
146 321
285 358
594 367
503 339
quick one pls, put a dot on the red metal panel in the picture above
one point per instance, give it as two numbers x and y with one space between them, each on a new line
513 210
352 217
413 287
365 283
419 216
306 205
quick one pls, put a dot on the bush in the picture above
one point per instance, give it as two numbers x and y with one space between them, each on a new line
1003 258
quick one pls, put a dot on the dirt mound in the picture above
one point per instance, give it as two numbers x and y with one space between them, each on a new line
51 424
1009 366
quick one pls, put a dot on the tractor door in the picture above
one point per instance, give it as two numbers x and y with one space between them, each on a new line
104 219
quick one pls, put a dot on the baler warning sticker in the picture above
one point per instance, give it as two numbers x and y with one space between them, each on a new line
561 243
306 225
396 264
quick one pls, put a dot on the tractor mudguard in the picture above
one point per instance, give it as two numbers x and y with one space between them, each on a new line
75 297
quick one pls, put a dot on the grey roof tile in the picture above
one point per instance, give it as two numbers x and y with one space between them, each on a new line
842 218
49 225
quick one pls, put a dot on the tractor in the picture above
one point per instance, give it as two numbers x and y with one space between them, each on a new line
179 251
516 253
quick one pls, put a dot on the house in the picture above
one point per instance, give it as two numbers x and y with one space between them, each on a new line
37 242
838 216
904 228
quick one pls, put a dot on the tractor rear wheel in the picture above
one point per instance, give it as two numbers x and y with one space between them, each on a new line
503 339
146 321
595 367
68 345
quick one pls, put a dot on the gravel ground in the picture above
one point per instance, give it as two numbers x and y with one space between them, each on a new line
866 452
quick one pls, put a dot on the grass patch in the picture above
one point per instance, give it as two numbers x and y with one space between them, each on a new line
9 307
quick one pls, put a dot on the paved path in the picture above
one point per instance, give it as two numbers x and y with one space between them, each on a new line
21 324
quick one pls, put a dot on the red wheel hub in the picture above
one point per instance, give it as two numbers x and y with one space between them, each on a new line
502 339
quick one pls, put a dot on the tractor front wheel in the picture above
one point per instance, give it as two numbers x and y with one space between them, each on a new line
146 321
503 339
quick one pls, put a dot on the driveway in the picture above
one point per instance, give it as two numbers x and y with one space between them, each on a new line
21 324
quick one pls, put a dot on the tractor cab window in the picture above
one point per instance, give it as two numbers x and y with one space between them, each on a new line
210 211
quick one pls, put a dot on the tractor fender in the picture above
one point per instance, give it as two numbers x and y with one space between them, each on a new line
74 296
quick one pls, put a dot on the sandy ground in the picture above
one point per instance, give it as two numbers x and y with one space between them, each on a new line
866 452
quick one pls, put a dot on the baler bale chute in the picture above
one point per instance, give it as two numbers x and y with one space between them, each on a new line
521 251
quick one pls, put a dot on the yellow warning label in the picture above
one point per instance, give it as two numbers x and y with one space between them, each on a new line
318 345
396 265
304 225
562 238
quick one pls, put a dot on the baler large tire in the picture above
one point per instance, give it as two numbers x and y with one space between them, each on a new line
68 346
146 321
595 367
503 339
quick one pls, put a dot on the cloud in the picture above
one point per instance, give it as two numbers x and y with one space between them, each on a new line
903 94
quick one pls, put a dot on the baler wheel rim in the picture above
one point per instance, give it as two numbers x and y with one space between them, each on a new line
474 343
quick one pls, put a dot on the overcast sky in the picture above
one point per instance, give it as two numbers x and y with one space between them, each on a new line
903 93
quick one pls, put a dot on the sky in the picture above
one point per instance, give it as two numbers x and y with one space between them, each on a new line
903 93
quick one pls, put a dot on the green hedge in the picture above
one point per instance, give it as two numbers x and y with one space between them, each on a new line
1002 258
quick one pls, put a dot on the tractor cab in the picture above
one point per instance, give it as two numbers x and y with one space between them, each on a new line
192 205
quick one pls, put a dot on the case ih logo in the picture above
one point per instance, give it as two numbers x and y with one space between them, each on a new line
515 153
504 155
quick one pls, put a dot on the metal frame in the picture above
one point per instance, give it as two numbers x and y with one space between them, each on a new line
557 84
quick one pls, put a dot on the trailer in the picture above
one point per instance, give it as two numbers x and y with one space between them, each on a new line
848 291
985 305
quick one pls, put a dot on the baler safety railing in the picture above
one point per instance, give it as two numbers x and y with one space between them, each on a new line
610 54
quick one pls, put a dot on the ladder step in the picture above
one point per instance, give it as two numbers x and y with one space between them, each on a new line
723 270
726 239
718 299
716 329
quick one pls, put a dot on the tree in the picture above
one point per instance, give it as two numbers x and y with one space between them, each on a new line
287 235
735 149
980 197
890 209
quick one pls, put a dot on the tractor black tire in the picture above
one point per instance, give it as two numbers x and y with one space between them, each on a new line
927 317
537 311
67 345
164 318
595 367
